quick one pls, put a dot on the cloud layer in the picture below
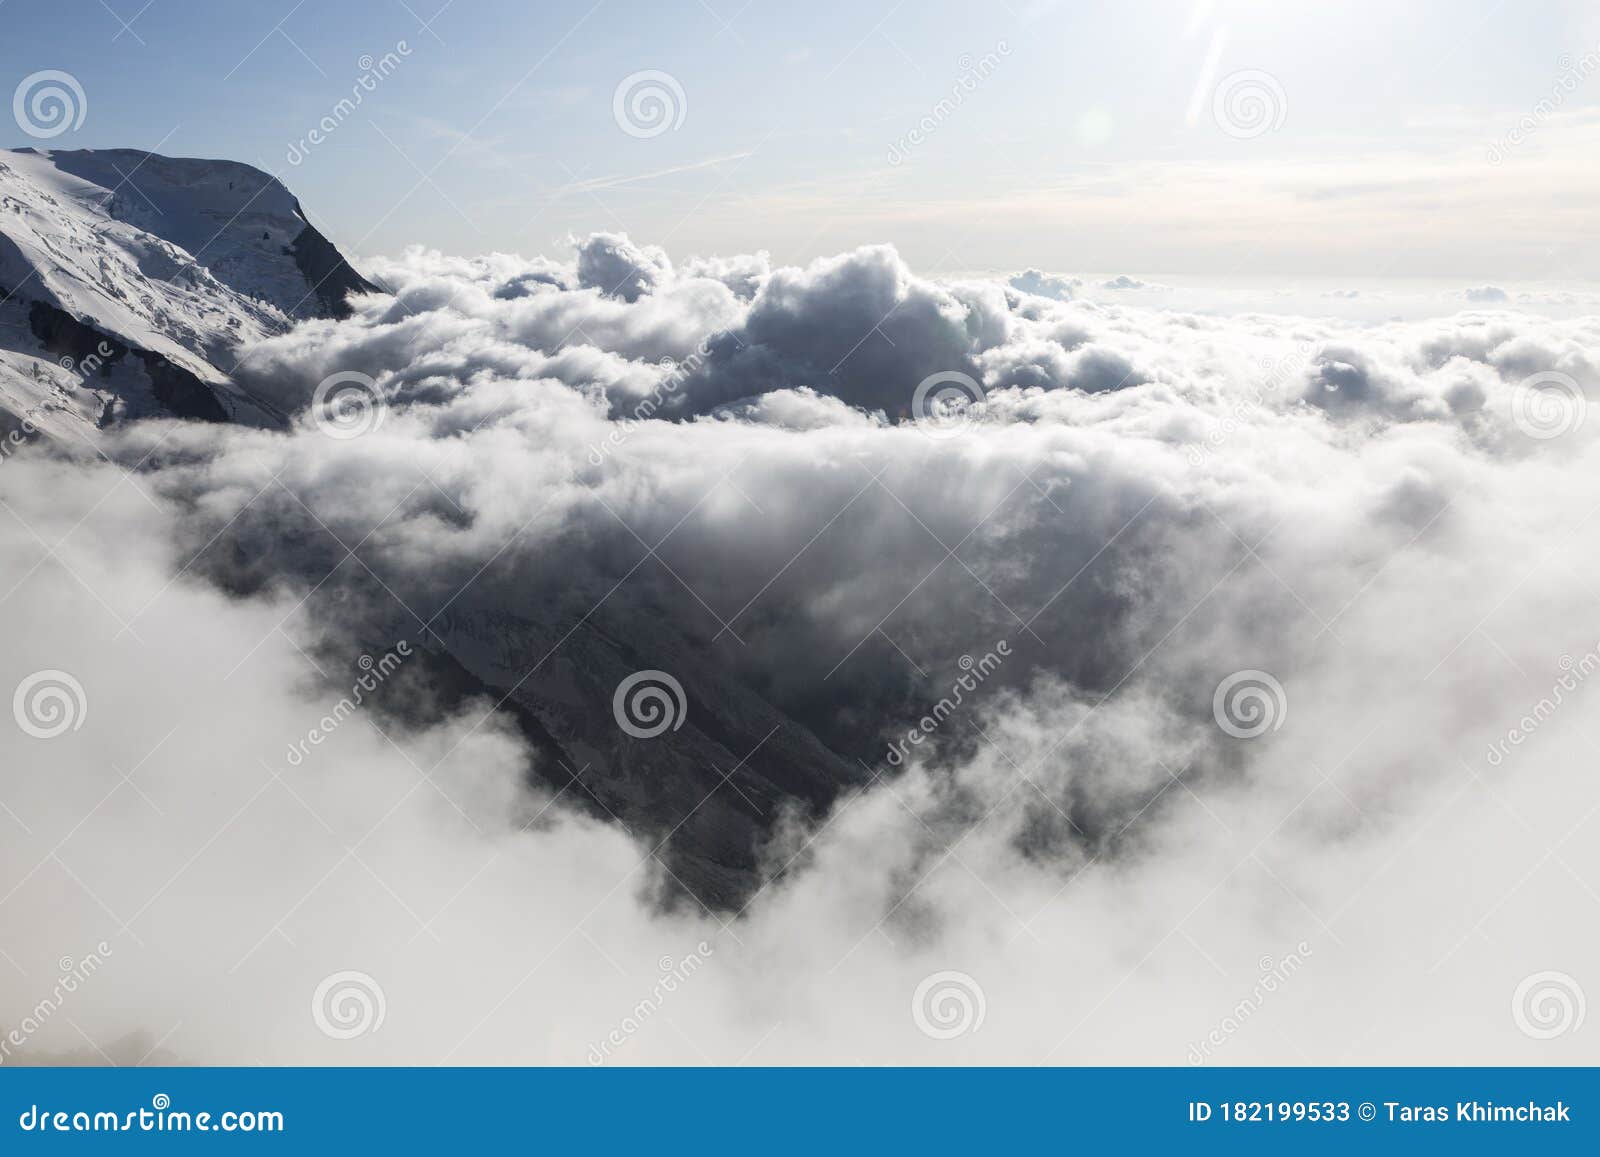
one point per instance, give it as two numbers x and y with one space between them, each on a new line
572 472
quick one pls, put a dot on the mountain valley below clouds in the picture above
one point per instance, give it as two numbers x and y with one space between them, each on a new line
537 620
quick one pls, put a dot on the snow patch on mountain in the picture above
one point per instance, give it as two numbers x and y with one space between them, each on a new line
174 266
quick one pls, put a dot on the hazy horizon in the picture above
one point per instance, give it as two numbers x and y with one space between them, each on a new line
1090 139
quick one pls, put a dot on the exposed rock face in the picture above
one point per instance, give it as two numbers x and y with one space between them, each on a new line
135 283
331 277
94 353
183 263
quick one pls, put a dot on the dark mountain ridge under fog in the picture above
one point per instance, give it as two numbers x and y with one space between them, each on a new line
136 283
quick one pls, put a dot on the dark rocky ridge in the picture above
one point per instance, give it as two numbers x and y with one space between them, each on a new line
185 395
331 276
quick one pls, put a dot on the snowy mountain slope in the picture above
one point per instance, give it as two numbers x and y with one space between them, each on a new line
132 282
132 285
238 222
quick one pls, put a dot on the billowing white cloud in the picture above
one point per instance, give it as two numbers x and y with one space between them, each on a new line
949 679
617 267
1046 285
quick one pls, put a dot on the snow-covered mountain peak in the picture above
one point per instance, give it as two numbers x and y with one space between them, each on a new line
238 222
181 262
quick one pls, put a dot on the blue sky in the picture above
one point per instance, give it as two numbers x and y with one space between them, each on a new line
1092 143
